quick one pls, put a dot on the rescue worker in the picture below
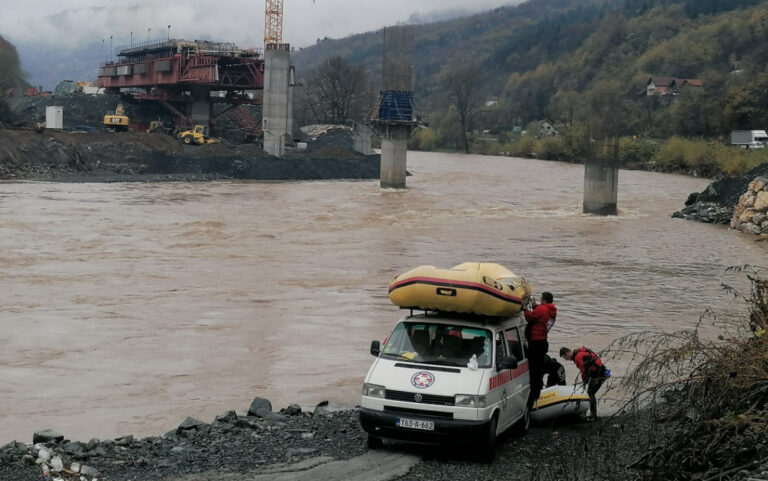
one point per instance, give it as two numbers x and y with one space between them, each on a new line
555 372
539 321
593 373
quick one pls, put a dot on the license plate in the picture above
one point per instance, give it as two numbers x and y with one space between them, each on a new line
416 424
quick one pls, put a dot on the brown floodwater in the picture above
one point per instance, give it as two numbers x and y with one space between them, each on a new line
126 307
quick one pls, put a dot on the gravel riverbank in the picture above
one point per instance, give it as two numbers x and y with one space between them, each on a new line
238 447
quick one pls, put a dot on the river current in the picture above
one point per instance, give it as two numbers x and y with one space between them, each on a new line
126 307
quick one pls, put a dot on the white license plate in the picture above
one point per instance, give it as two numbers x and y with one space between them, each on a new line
416 424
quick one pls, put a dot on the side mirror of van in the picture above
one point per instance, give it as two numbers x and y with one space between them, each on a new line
509 362
375 348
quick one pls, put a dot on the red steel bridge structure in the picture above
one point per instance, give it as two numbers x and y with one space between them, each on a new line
187 77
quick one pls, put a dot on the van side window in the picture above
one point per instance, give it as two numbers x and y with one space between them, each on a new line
501 347
513 341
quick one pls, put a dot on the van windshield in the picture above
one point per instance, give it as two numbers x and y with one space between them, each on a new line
445 344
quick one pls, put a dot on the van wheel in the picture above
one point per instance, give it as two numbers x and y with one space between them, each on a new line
374 442
521 428
487 447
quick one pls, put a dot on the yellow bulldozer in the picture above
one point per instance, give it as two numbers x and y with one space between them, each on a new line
197 136
118 120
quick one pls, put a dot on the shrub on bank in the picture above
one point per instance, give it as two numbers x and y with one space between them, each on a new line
551 148
423 139
636 152
707 398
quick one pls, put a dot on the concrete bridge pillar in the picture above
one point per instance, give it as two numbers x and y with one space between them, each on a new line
277 97
394 152
601 181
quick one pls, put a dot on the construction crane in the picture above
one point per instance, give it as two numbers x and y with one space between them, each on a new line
273 22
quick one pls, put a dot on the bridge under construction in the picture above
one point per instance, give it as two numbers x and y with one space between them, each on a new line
187 77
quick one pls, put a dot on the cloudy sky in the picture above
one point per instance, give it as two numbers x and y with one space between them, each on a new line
76 23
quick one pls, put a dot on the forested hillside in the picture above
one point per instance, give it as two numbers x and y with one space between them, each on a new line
11 74
587 62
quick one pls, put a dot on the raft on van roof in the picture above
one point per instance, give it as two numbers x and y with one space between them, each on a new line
481 288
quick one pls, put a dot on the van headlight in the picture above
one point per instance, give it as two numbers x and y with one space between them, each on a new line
470 400
373 390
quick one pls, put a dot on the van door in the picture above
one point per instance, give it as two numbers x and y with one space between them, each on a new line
501 381
520 383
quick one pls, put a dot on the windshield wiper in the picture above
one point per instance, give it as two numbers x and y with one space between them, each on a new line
399 357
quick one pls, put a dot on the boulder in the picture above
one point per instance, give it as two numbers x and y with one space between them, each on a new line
758 184
189 424
761 203
75 448
47 436
292 410
260 407
228 417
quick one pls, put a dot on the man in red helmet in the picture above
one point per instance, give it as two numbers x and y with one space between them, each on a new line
540 320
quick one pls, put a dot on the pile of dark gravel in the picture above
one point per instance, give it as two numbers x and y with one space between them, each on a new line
231 443
716 203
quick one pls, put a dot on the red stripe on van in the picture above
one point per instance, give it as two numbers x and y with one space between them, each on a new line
507 376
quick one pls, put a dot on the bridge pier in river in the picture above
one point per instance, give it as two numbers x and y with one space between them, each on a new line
601 179
393 116
277 108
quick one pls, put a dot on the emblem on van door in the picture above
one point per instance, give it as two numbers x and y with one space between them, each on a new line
422 379
418 397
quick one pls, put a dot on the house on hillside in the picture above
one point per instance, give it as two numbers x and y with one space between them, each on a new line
546 129
668 86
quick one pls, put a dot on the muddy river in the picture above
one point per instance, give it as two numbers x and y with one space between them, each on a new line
126 307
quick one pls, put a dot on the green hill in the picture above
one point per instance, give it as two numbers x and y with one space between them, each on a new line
588 62
11 76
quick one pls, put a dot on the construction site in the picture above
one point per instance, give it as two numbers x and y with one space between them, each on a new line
181 109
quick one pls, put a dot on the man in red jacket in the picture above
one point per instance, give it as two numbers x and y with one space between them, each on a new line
593 373
540 320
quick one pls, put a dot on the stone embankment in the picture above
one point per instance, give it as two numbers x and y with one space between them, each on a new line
751 214
717 204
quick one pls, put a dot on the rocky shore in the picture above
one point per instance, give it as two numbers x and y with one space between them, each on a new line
717 203
239 447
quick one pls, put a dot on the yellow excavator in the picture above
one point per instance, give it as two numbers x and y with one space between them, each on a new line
197 136
117 120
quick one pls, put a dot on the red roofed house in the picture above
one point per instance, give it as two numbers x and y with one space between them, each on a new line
668 86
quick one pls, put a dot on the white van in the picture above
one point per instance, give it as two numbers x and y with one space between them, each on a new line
441 377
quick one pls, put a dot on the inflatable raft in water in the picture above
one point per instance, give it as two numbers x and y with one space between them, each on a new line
473 287
559 401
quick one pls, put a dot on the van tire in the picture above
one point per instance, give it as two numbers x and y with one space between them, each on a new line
521 427
486 451
374 443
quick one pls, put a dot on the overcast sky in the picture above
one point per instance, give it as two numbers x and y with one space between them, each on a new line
79 22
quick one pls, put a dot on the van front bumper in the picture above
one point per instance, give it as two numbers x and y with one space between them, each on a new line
383 424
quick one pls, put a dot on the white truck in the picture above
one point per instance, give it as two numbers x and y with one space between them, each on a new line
441 378
749 139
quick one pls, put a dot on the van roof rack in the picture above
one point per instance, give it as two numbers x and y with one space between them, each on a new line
458 315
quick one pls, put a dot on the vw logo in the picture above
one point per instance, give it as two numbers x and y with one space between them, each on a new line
418 397
422 379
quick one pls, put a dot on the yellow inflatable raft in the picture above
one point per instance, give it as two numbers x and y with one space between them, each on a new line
473 287
559 401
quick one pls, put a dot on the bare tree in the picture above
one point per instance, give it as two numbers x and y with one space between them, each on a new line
332 90
464 93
